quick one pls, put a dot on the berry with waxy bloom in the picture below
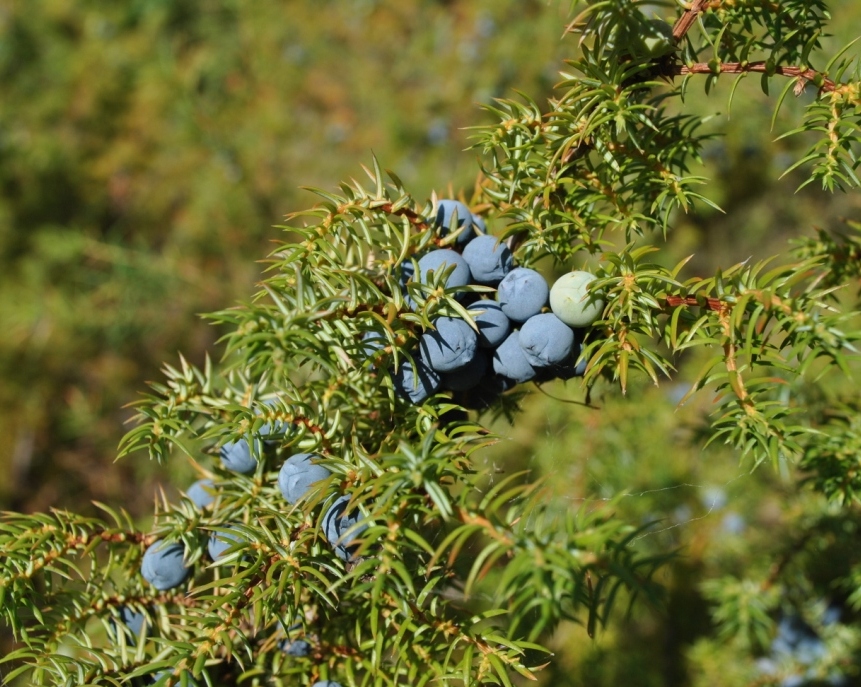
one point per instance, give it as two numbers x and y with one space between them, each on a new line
522 294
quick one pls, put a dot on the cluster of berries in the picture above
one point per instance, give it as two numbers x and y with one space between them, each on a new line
515 339
163 564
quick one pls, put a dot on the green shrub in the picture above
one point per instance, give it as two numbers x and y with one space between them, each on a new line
411 560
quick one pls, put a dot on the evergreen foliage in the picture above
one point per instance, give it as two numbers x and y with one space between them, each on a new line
408 561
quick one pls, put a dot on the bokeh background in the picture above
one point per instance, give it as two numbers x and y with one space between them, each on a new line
149 149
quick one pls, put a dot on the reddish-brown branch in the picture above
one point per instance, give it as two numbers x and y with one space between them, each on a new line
709 303
307 424
805 75
73 542
731 361
414 218
686 21
723 310
769 300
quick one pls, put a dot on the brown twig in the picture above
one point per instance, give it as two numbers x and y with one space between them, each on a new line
709 303
72 542
736 381
414 218
686 21
804 75
769 300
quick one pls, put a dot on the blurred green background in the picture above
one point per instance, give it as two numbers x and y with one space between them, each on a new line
148 148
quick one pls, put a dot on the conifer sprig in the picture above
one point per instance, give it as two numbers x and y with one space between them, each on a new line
456 577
